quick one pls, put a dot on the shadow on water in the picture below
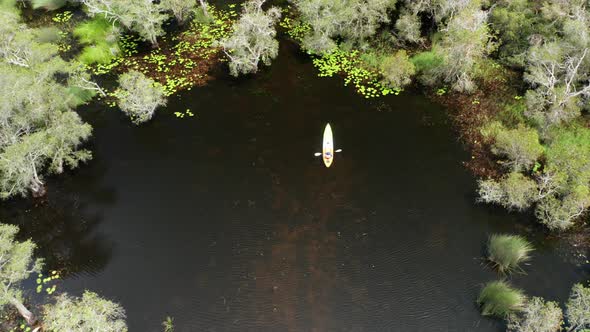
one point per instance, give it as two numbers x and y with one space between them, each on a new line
226 221
65 230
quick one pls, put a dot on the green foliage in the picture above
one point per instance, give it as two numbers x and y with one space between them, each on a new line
101 38
426 62
578 308
569 152
536 316
347 63
38 130
397 70
99 53
138 96
519 145
16 263
566 177
142 16
464 43
499 299
512 114
355 21
514 21
87 314
513 191
507 252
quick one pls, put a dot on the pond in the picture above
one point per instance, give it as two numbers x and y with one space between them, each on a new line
226 220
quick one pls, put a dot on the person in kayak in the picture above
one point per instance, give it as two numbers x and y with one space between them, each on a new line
328 154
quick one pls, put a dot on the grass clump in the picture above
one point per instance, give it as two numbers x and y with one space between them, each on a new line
506 252
499 299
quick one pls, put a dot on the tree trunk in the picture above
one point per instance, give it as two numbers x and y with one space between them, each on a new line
23 311
204 6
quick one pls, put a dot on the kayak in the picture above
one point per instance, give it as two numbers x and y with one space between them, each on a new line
328 146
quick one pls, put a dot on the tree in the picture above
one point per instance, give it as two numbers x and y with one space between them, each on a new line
558 67
515 22
578 308
465 41
408 27
564 186
38 130
16 264
520 145
181 9
139 96
536 316
253 39
440 10
91 313
353 20
142 16
514 191
397 70
560 212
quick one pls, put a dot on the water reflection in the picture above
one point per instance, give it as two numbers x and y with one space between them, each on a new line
64 228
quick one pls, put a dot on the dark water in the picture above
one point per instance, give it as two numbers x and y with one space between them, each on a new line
226 221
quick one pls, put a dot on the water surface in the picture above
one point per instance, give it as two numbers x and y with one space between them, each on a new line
226 221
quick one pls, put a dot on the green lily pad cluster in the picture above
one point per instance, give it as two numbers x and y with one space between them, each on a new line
42 282
62 17
129 47
295 29
348 64
186 113
183 60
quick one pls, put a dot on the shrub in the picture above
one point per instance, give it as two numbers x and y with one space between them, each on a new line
139 96
397 70
520 145
578 308
506 252
499 299
513 191
536 316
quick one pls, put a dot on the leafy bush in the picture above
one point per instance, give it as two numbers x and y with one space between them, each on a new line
139 96
513 191
520 145
426 61
397 70
536 316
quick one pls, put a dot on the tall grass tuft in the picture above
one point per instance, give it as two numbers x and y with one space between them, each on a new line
499 299
506 252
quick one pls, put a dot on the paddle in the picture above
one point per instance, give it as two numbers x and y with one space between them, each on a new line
317 154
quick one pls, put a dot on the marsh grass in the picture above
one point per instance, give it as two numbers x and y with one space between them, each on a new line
499 299
507 252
